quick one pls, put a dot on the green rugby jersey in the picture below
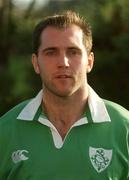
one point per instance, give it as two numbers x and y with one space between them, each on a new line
95 148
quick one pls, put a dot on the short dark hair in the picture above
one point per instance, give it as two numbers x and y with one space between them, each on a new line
60 21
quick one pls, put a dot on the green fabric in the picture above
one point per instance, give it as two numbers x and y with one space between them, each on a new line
72 161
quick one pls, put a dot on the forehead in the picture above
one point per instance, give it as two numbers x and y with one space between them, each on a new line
56 35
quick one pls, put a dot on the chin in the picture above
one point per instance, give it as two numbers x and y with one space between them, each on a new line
60 91
63 93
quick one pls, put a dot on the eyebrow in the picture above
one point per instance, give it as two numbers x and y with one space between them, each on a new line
56 48
74 47
48 49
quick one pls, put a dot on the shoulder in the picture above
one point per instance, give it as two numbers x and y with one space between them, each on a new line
13 113
9 124
117 111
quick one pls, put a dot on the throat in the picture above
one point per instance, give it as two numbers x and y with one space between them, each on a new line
63 122
63 127
63 114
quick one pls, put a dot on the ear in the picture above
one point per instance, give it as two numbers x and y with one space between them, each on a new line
35 64
90 62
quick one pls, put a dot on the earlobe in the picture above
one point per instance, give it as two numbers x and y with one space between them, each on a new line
90 62
34 60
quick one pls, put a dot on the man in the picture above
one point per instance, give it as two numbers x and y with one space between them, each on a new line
67 132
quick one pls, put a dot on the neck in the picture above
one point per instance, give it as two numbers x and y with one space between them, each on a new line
63 112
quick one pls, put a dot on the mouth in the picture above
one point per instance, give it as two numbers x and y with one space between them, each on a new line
63 76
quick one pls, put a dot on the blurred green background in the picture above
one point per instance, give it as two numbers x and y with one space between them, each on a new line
110 25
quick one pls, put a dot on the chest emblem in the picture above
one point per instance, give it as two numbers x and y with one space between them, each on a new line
19 155
100 158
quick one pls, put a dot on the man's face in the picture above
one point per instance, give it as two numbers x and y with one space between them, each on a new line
62 60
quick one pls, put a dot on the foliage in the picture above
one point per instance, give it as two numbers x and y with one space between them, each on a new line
109 20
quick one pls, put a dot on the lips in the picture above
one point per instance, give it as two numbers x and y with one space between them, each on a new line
63 76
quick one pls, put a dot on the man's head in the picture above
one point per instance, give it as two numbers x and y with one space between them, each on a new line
62 54
63 21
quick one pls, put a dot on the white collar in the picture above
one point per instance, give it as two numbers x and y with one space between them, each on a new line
96 105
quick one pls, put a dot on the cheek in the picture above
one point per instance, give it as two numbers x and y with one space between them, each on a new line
40 67
82 70
81 66
45 69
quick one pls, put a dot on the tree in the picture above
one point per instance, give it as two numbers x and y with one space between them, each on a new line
6 30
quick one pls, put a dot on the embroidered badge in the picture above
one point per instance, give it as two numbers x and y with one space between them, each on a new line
100 158
19 155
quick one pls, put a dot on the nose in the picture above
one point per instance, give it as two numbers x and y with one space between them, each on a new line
63 61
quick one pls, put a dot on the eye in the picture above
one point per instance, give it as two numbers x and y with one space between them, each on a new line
50 52
73 51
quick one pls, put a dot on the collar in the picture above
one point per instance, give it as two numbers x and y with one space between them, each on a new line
96 105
